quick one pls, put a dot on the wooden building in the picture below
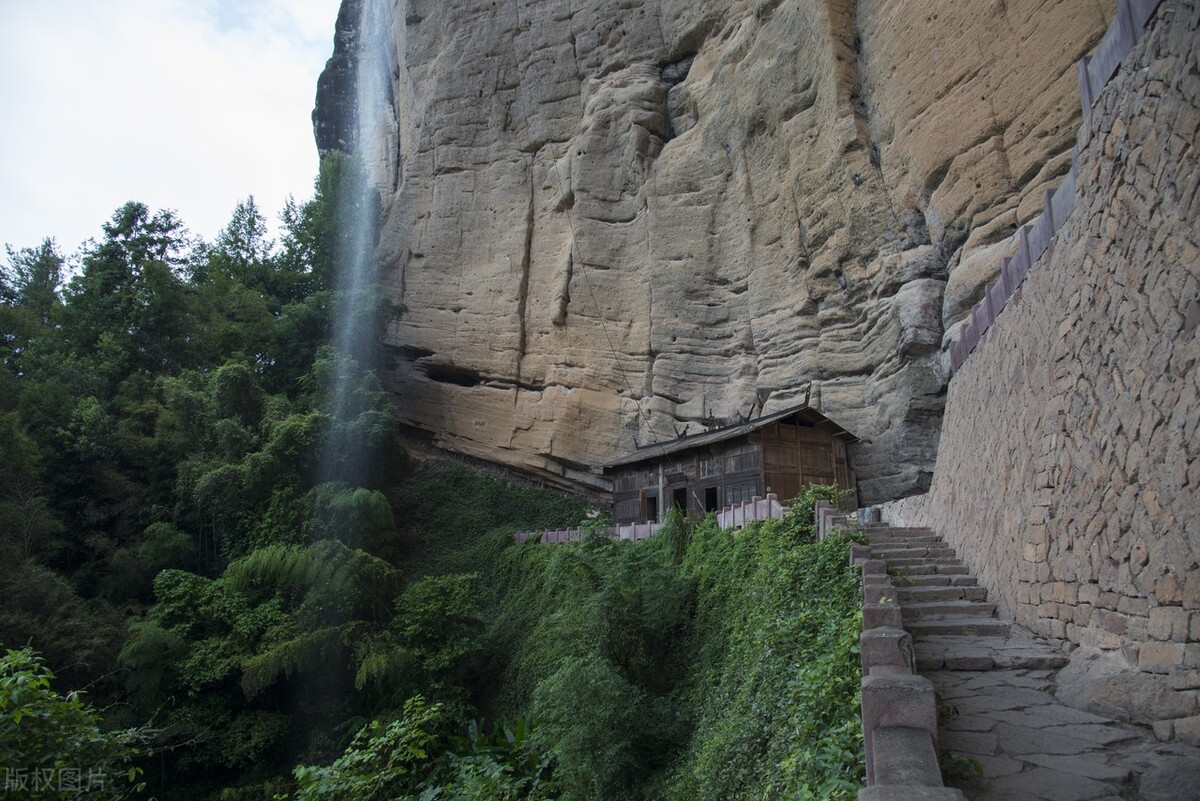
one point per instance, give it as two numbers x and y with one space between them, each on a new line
780 453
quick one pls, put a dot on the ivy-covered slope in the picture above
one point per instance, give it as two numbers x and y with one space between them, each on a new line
700 664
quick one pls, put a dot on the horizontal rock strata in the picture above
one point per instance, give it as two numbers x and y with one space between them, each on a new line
613 223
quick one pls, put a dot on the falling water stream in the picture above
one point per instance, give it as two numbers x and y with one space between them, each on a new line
356 315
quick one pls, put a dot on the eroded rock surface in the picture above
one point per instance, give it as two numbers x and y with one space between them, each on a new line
617 222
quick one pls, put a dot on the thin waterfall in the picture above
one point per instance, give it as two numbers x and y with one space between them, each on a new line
357 315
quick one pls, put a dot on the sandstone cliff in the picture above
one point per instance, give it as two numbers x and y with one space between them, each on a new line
618 221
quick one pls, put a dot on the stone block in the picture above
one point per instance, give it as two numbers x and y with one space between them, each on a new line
882 592
1168 778
885 792
1133 606
1127 695
896 701
886 646
1191 655
1109 621
1089 594
996 294
882 616
1164 730
905 757
1160 657
1169 623
1185 680
1167 590
1187 730
1191 591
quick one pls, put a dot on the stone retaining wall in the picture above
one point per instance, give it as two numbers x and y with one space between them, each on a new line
1067 475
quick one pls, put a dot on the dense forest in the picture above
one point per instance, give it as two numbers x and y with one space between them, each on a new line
219 583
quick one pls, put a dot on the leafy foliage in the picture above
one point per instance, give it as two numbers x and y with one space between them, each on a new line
51 745
198 529
166 412
382 761
776 682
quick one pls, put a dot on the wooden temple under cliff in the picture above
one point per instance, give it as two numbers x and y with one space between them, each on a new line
778 453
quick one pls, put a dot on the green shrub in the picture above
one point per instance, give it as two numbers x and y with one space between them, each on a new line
51 745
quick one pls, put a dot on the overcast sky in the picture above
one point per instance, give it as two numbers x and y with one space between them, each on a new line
189 105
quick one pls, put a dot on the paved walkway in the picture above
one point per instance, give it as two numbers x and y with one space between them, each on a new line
1029 746
998 715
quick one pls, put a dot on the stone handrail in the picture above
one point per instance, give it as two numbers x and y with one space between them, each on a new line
757 508
1094 73
899 708
735 516
625 531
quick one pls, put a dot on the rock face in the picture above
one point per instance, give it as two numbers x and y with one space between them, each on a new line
615 222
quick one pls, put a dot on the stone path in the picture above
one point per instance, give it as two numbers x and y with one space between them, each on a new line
997 709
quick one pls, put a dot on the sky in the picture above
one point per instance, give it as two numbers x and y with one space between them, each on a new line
189 105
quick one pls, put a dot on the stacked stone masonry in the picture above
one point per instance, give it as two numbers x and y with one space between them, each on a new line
1067 472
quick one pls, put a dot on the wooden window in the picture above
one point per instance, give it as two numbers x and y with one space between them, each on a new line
740 491
746 456
627 482
627 510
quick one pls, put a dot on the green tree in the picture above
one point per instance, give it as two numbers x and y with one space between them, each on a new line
28 524
242 251
31 279
129 304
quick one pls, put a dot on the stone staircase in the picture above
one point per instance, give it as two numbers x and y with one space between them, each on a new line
995 686
954 627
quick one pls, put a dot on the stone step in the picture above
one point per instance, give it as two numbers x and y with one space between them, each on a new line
927 568
889 553
928 610
932 543
950 652
922 581
870 527
944 592
923 541
901 561
935 580
989 626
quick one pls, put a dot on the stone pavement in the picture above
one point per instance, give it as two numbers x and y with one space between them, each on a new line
998 714
1029 746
